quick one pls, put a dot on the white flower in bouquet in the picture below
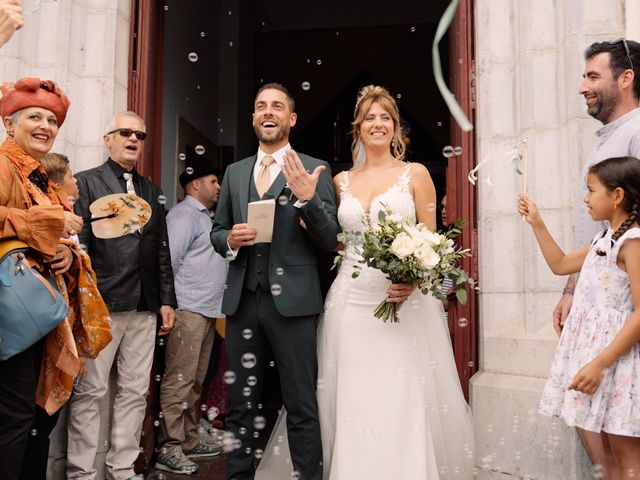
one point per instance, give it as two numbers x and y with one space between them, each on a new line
427 256
449 246
403 245
394 218
424 235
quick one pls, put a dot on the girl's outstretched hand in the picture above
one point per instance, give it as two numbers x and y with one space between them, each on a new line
528 209
588 378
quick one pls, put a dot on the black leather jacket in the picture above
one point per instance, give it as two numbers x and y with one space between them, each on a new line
133 265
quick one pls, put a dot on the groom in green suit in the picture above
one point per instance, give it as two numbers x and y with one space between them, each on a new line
273 293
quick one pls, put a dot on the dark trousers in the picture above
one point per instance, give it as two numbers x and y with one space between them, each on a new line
256 329
18 380
36 455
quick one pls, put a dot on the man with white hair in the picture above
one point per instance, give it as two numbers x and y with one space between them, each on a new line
136 281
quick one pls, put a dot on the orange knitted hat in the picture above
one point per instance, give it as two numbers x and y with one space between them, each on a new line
33 92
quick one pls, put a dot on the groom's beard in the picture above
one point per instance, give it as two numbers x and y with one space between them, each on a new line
277 136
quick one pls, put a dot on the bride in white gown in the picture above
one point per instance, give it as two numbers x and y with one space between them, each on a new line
389 398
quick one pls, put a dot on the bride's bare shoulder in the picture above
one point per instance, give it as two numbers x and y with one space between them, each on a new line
338 179
419 172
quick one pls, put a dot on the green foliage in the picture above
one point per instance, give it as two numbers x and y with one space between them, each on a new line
425 259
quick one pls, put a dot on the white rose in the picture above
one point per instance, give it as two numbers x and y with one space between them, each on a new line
427 257
402 246
449 246
427 237
394 218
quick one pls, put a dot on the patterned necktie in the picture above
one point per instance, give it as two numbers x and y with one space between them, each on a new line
129 179
263 182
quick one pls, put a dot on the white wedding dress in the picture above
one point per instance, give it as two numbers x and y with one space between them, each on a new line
389 398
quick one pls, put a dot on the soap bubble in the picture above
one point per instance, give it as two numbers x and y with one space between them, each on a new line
212 413
306 86
193 57
199 149
259 422
229 377
447 151
248 360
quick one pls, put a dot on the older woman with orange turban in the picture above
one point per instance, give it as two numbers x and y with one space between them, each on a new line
34 211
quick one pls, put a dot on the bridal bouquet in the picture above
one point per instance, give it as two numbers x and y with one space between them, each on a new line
412 254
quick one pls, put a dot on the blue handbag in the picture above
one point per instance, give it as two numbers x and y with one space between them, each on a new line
30 305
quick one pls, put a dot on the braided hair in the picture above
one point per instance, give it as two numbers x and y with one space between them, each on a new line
624 173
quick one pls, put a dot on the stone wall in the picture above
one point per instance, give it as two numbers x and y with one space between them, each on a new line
83 45
529 63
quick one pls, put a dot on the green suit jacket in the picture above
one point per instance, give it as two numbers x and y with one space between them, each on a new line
293 262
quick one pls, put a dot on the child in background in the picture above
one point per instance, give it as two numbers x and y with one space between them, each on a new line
59 171
594 383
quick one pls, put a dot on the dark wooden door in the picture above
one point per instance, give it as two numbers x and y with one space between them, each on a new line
461 195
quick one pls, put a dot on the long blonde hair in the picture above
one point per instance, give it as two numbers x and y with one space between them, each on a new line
367 96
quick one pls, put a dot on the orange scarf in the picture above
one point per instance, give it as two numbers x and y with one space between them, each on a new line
85 332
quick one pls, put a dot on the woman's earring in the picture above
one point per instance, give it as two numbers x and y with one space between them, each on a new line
615 205
10 132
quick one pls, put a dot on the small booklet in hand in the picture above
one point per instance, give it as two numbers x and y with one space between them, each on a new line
260 216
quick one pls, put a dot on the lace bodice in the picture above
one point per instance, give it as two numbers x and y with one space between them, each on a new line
353 216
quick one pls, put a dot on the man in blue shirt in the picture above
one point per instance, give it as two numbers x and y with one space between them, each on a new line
199 277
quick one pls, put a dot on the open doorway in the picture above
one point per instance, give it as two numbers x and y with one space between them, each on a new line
211 57
205 60
197 64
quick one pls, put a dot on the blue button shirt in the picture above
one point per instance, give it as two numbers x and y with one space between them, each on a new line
199 272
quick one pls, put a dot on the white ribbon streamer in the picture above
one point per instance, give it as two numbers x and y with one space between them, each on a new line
515 159
452 104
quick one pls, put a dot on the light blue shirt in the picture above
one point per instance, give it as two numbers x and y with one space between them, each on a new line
199 272
620 138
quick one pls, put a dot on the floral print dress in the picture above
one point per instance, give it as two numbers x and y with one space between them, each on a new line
601 306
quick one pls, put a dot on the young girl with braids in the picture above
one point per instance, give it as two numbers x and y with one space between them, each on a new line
594 383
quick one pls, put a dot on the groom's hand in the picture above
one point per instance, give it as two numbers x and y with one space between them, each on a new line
241 235
302 183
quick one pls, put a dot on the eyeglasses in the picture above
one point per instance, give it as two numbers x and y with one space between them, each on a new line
626 49
127 132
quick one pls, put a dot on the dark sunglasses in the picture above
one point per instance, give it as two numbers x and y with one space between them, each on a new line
626 49
126 133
